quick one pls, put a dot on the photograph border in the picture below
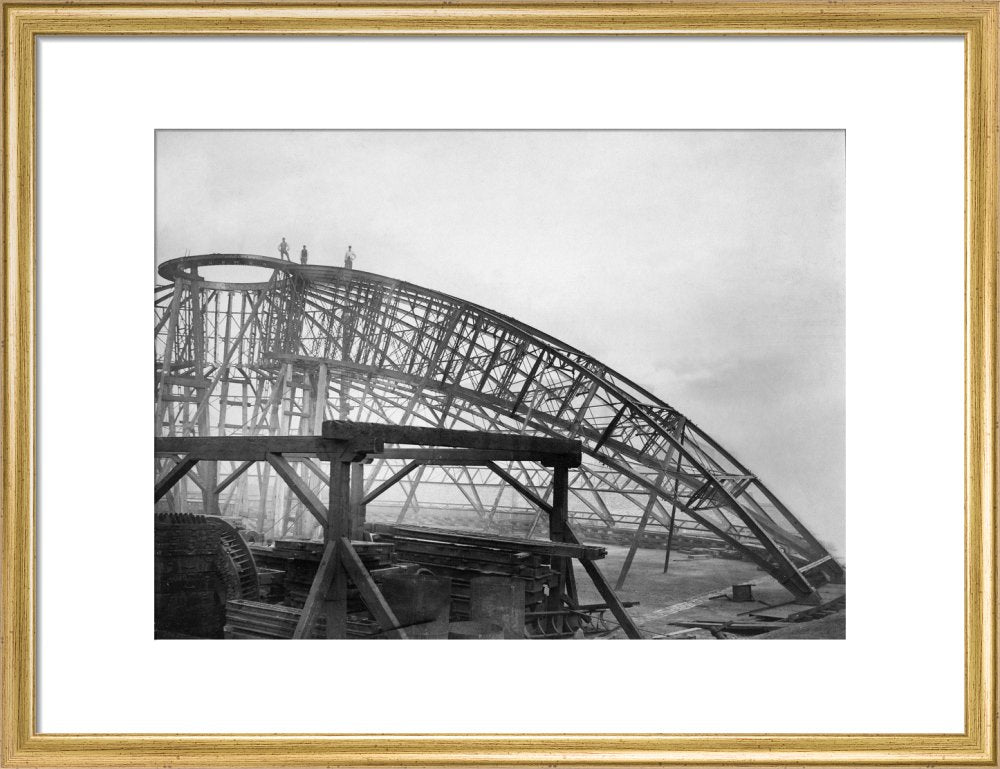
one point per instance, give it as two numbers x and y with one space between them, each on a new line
23 23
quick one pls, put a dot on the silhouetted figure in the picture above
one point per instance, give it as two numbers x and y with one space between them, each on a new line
283 250
304 256
349 259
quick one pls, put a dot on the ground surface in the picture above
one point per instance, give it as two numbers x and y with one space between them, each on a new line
690 591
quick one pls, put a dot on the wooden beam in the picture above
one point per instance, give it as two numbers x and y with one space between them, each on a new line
390 482
317 592
520 488
234 475
301 490
510 544
316 469
356 512
168 481
439 436
558 530
258 447
449 456
335 607
607 593
815 564
370 593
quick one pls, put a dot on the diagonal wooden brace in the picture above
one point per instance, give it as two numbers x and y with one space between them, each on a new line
317 592
295 483
168 481
370 593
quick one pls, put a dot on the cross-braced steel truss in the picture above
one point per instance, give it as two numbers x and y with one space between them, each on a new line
313 343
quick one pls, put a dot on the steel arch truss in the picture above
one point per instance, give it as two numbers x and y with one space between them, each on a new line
314 343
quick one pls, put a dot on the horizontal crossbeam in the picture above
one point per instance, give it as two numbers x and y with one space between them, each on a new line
459 439
257 448
478 456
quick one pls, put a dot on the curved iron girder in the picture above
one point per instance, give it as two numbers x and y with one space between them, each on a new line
361 325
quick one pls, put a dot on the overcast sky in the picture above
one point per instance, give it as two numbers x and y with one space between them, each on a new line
708 266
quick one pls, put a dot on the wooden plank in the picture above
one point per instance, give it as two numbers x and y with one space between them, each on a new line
478 456
356 508
317 593
567 549
439 436
316 469
370 593
558 529
390 482
257 447
295 483
815 564
607 593
339 496
168 481
520 488
736 627
234 475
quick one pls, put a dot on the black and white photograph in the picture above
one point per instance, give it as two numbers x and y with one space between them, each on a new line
472 384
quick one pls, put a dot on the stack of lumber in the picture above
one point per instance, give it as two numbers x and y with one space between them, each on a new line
464 556
299 560
256 619
655 537
272 585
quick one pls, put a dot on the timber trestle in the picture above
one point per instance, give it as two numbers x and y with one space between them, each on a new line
347 447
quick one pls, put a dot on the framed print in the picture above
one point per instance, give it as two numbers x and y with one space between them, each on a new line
621 323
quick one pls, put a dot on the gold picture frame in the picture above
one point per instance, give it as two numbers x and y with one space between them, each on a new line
23 22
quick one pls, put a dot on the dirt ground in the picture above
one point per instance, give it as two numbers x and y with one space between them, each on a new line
690 591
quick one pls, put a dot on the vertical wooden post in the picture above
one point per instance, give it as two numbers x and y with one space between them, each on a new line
558 530
168 357
344 404
335 606
209 469
263 476
213 480
559 518
289 521
181 495
305 425
357 512
319 405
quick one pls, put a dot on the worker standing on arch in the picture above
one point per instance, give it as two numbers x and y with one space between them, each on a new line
283 251
304 256
349 259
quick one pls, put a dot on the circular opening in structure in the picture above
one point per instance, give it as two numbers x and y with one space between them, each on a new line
231 272
235 273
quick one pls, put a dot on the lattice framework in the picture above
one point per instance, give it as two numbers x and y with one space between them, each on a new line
314 343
